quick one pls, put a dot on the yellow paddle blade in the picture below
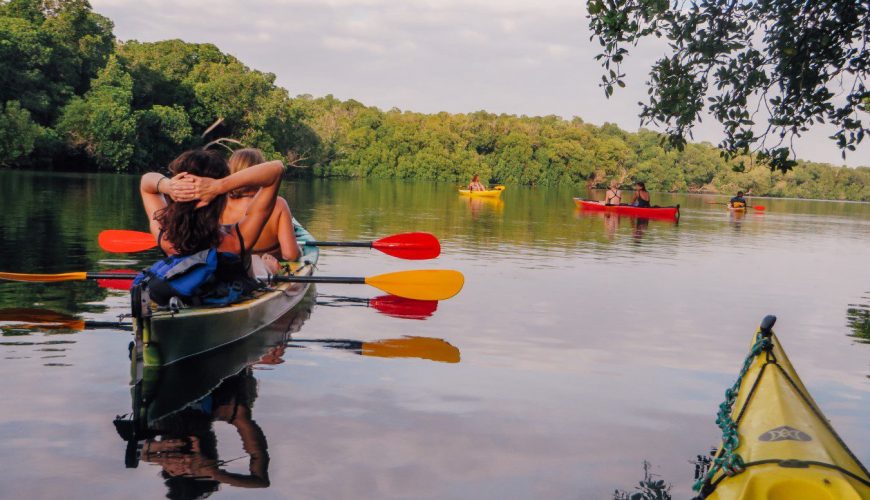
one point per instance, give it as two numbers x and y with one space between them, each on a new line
44 278
33 318
498 188
427 284
412 347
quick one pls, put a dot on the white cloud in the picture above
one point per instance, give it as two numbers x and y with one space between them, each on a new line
348 44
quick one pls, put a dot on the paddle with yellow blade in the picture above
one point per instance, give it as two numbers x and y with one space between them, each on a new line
426 284
411 246
405 347
46 319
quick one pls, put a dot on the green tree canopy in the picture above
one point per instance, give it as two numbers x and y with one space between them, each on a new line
783 62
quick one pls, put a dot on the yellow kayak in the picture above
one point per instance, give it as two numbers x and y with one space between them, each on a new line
786 449
490 193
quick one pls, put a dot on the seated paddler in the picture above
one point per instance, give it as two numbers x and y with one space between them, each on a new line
277 241
738 201
207 262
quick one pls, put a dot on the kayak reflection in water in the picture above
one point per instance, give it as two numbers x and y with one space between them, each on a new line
185 446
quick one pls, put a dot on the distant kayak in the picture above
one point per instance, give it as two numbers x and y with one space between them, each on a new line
645 212
490 193
782 445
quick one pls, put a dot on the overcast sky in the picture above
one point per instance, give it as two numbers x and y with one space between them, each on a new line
504 56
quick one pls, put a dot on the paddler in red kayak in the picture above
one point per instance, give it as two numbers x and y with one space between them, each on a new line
613 195
641 196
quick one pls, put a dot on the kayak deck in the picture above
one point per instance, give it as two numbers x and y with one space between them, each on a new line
491 193
788 447
628 210
165 337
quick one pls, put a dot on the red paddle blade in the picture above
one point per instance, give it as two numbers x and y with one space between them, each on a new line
412 246
117 284
399 307
759 207
123 241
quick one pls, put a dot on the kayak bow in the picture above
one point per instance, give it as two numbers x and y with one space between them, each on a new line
777 443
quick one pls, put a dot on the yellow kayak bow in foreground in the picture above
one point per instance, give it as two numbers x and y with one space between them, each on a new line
777 443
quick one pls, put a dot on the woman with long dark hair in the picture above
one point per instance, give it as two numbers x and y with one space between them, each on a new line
189 220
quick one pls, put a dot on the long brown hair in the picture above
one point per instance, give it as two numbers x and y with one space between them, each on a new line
190 229
241 160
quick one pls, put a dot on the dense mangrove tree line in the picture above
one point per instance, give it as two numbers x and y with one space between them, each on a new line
72 96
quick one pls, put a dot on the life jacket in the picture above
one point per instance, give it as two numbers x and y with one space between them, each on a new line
207 277
738 204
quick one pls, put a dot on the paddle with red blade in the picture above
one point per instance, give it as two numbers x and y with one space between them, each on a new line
410 246
125 241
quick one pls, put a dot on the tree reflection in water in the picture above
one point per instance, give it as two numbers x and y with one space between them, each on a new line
858 319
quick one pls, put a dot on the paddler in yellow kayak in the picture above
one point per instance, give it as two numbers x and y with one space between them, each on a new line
738 201
475 184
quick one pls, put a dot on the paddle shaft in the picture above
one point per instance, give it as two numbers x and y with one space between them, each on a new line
117 276
421 284
358 244
320 279
291 279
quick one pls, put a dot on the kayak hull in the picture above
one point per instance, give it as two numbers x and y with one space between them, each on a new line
789 447
492 193
671 213
164 337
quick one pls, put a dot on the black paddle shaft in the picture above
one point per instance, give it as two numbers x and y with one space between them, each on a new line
358 244
320 279
353 280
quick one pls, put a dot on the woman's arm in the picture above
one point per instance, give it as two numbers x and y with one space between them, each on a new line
286 232
154 186
257 176
266 176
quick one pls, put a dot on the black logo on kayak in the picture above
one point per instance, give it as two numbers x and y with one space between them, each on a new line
785 433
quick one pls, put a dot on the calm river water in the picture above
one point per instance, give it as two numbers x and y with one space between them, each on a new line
587 346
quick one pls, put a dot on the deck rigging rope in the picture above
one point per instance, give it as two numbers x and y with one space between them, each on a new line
729 461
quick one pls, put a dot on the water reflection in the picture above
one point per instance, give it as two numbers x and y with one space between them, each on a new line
858 319
480 206
175 408
389 305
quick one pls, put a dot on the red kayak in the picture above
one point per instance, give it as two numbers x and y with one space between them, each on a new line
649 213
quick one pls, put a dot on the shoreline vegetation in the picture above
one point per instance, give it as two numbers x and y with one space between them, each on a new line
74 95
